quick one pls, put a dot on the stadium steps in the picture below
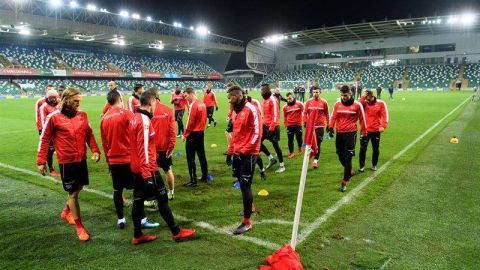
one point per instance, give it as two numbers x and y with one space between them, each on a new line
358 74
61 64
4 61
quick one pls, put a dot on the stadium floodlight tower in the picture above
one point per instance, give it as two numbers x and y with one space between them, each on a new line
56 3
73 4
202 30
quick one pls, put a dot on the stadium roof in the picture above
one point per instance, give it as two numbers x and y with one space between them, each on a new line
371 30
88 25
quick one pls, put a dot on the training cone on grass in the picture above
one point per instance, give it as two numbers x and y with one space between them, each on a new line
178 154
263 193
213 145
454 140
283 259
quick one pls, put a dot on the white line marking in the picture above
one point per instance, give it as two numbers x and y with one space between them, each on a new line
350 195
201 224
385 264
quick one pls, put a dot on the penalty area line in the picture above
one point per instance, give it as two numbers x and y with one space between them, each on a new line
350 195
201 224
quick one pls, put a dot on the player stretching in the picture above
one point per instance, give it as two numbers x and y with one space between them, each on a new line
163 122
345 115
70 131
245 147
292 117
320 105
194 136
116 145
376 113
179 103
271 127
210 101
134 100
148 182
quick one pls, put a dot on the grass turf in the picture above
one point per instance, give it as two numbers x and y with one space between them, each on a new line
217 202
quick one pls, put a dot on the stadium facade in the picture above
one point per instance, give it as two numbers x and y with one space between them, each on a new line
447 41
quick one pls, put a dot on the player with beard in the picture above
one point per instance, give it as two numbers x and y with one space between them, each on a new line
376 113
112 86
345 115
271 127
320 105
245 147
292 117
134 100
179 103
47 108
70 131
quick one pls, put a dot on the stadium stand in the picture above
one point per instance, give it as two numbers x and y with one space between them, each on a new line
7 88
380 76
244 82
432 76
82 60
29 57
38 86
472 74
295 75
328 77
121 62
180 66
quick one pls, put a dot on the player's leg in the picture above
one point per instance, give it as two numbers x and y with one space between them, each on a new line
139 195
117 181
165 211
290 136
299 137
190 150
275 142
375 138
263 175
200 147
319 138
247 167
363 152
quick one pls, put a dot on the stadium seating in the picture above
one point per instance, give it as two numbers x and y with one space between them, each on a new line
380 76
295 75
37 87
6 88
432 76
82 60
328 77
29 57
122 62
243 82
179 66
472 74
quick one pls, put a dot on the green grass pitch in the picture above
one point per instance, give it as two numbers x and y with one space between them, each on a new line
421 212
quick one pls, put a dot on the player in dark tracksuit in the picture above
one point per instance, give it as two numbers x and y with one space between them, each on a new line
345 115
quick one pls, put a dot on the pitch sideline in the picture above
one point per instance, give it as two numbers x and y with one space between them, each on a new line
350 195
201 224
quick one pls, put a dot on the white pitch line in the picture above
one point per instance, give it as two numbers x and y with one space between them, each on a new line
15 131
201 224
350 195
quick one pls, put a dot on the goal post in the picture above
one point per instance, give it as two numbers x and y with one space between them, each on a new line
288 86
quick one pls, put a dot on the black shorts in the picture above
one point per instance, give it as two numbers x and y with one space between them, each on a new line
271 136
210 111
74 175
164 162
179 115
149 191
122 176
229 128
243 167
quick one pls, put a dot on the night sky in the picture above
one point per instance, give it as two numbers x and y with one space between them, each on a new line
249 19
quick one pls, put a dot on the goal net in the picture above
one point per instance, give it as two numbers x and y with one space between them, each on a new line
286 86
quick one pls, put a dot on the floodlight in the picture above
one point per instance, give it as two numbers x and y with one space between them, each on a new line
91 7
468 19
452 20
192 28
274 38
25 32
104 10
119 42
177 24
202 30
73 4
136 16
56 3
124 13
149 18
439 20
